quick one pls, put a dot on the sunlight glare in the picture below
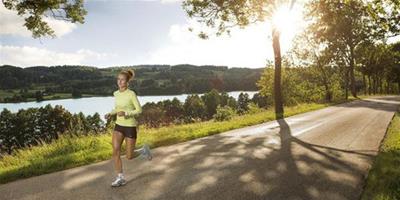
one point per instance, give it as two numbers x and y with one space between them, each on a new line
289 22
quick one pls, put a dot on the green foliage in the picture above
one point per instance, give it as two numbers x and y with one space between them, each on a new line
39 96
254 108
35 13
36 126
341 27
223 113
379 64
231 102
211 100
194 107
261 101
298 85
152 115
243 103
76 93
173 111
224 15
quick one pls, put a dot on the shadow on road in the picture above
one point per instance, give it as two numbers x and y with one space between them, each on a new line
386 103
252 168
260 166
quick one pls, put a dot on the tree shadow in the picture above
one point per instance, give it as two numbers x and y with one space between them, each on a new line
386 103
266 165
218 167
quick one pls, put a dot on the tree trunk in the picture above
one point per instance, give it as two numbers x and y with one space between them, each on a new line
277 77
398 85
346 80
365 85
369 85
328 93
352 78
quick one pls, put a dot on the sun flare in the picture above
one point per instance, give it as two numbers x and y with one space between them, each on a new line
285 19
288 22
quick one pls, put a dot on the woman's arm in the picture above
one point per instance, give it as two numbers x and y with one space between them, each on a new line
138 107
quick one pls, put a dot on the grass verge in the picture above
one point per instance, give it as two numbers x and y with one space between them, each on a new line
383 182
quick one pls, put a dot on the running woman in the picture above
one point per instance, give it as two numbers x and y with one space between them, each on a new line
127 106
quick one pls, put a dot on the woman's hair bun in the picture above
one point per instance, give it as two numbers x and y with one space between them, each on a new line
129 74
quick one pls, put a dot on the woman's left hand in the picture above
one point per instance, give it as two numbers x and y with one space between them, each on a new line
121 113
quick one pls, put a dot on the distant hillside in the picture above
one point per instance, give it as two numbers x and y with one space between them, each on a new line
19 84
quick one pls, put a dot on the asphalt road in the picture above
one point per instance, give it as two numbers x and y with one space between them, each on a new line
324 154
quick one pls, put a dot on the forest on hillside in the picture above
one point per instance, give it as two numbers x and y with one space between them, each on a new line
19 84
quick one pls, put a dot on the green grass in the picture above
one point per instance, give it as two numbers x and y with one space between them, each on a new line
383 182
68 151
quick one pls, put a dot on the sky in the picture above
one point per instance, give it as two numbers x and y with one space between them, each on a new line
134 32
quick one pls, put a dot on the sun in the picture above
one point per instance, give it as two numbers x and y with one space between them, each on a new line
285 19
288 22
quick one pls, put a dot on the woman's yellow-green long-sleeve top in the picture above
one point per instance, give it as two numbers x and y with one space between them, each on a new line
128 102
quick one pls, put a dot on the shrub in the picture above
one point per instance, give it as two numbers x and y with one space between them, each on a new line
223 113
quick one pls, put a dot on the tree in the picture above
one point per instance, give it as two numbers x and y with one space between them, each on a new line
39 96
243 103
7 128
194 107
76 93
153 115
211 100
260 101
308 52
344 25
396 67
224 15
34 12
173 109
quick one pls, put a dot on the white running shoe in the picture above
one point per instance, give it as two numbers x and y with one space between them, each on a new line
146 152
119 181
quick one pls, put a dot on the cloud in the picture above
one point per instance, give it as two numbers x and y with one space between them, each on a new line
248 47
32 56
13 24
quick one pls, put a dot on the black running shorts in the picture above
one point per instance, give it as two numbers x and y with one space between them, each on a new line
127 131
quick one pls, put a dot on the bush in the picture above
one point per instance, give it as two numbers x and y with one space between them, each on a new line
253 108
224 113
153 115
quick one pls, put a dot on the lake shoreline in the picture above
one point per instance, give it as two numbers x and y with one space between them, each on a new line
101 104
91 95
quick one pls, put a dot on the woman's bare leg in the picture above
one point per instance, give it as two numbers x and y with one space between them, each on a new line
117 139
130 146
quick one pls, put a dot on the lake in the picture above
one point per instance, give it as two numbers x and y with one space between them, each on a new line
101 105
